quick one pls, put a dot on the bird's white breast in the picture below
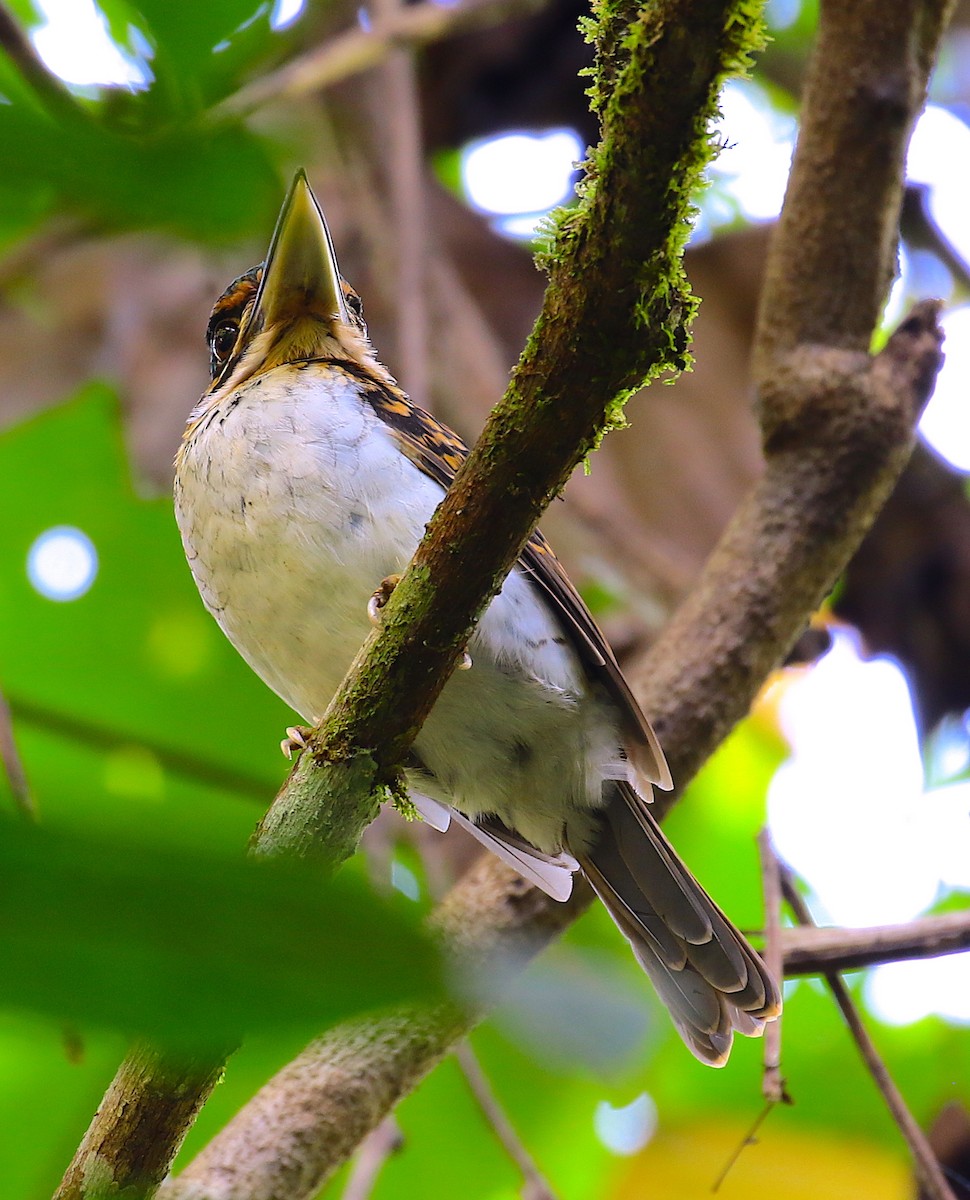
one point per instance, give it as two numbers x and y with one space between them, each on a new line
294 502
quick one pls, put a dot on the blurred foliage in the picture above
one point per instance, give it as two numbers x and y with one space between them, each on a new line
193 947
150 749
148 158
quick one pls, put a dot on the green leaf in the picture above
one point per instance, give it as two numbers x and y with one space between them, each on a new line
212 183
192 947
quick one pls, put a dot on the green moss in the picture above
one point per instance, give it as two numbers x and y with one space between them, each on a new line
398 795
640 173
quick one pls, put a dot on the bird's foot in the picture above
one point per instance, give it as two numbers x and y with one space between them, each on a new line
296 740
380 597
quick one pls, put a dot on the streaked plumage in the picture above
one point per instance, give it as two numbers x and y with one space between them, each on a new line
305 478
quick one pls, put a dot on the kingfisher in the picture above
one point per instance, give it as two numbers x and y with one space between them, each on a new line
303 484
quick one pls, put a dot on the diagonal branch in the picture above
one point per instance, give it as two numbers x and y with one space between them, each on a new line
13 766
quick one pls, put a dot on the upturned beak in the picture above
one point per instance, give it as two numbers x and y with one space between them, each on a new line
300 278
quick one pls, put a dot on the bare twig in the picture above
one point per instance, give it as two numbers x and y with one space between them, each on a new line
400 114
79 729
359 50
536 1187
928 1169
13 766
772 1083
380 1145
749 1139
812 951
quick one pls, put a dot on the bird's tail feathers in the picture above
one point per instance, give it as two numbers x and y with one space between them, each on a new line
706 974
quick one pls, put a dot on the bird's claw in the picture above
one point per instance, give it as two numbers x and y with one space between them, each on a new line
380 597
296 740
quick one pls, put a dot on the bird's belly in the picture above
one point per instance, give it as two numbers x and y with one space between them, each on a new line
291 522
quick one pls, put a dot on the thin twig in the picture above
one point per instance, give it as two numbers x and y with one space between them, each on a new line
359 50
749 1139
381 1144
772 1083
536 1187
45 85
400 113
13 766
813 951
927 1167
86 732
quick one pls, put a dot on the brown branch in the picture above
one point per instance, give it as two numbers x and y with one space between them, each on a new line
309 1118
813 951
927 1168
358 49
149 1092
108 737
833 253
837 424
44 84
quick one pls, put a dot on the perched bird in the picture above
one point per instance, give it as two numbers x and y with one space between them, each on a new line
305 478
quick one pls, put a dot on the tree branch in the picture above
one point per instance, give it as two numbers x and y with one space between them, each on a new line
772 1080
149 1093
13 766
45 85
400 116
385 1141
808 950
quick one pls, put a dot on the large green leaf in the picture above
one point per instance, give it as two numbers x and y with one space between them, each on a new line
213 183
194 946
148 158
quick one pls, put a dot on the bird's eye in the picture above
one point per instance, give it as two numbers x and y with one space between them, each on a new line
223 339
354 305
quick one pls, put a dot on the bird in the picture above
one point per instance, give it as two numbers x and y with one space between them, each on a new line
303 484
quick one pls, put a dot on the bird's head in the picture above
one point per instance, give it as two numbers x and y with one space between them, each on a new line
291 308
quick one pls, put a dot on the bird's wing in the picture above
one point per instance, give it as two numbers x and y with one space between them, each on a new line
438 451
